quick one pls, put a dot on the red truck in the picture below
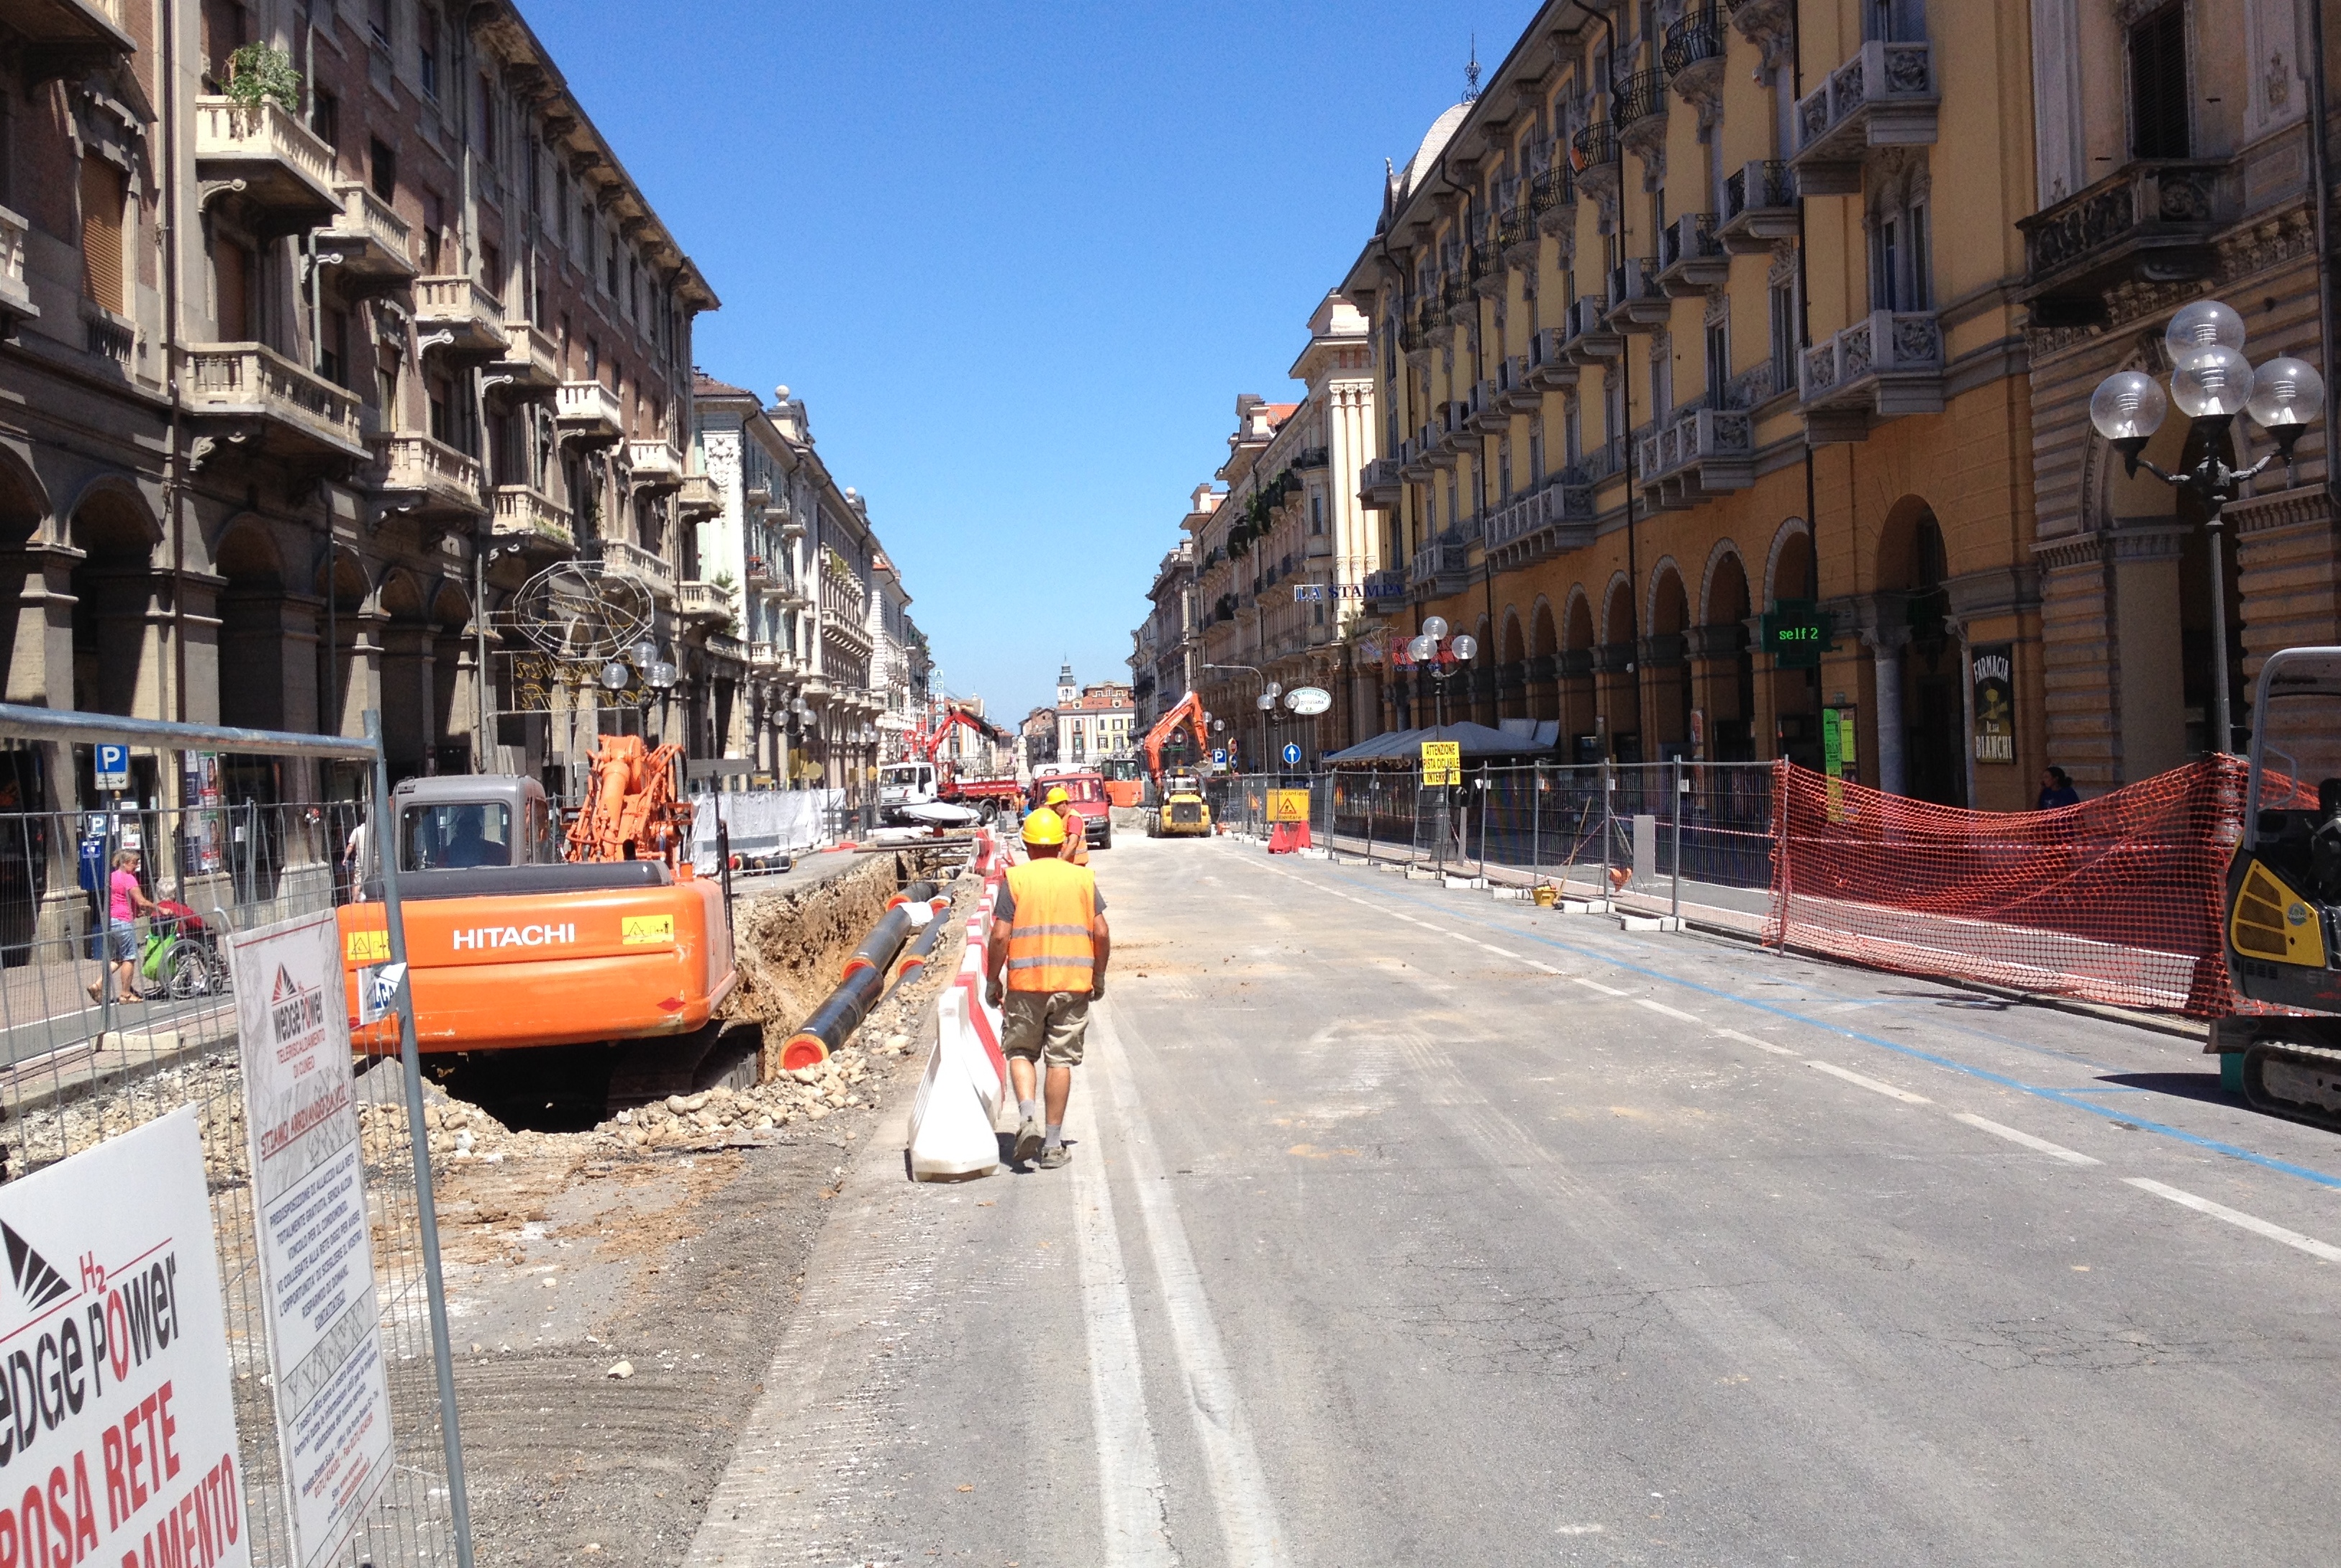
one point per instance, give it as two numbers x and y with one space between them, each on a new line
1090 802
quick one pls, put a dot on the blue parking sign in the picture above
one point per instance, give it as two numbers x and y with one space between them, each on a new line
113 766
1292 754
1218 757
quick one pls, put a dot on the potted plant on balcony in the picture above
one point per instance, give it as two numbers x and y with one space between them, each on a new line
258 73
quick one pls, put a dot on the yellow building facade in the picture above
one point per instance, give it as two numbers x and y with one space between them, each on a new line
1686 318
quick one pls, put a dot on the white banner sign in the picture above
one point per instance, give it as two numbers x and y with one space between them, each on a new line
316 1256
118 1433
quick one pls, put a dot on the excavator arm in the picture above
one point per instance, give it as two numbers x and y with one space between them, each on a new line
630 812
1189 711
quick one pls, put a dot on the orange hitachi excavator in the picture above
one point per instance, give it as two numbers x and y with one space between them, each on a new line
1188 710
569 967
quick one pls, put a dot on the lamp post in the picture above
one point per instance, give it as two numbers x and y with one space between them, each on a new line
1269 690
1424 650
2212 383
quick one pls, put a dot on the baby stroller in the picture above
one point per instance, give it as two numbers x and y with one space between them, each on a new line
180 959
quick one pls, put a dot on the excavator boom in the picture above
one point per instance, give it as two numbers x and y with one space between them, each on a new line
1188 710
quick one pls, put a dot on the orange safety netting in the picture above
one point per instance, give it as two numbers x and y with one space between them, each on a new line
2117 899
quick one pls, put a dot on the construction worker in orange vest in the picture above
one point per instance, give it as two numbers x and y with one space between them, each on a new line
1077 833
1044 964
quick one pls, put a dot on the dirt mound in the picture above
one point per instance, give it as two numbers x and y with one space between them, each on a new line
791 946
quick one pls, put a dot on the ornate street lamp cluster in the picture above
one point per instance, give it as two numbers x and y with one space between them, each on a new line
2211 382
1424 650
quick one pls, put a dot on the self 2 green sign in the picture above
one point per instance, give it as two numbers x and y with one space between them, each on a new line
1796 632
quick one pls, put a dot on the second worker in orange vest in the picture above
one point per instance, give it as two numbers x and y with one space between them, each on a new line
1044 963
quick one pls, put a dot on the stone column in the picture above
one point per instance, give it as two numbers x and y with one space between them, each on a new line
1885 644
1714 652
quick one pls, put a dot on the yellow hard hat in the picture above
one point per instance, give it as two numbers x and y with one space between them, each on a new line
1057 797
1044 827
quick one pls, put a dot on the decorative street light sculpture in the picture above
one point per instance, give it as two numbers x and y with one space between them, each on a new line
2212 382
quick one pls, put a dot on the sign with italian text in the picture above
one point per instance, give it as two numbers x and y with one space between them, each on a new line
316 1253
1442 762
117 1422
1993 670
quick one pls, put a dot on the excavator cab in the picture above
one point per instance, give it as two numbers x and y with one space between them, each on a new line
2282 914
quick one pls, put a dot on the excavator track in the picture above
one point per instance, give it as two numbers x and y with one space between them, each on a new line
723 1054
2290 1079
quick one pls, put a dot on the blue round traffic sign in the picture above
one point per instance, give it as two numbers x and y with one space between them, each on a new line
1292 754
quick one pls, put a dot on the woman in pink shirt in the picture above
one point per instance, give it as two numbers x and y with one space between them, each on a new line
125 901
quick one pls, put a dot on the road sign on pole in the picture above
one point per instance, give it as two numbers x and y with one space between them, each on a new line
1218 757
113 766
1442 762
1291 754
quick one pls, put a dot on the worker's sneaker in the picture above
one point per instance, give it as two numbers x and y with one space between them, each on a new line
1028 1140
1055 1155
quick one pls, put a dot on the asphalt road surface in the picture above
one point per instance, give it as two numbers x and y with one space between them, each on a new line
1411 1227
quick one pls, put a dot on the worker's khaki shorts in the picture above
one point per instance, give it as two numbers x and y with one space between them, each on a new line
1046 1026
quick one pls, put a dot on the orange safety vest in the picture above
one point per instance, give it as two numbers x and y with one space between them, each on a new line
1049 944
1076 852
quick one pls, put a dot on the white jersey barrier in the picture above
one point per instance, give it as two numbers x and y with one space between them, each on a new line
951 1129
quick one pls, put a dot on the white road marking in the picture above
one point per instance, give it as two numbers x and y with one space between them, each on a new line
2252 1223
1670 1012
1129 1474
1248 1527
1752 1041
1905 1096
2039 1146
1597 985
1548 968
1467 941
1499 952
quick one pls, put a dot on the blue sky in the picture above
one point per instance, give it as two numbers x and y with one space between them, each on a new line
1018 260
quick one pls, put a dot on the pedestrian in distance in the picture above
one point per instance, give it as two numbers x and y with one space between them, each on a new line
1077 835
1044 964
125 901
2057 790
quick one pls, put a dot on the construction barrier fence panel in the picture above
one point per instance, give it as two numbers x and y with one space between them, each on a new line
2116 900
78 1067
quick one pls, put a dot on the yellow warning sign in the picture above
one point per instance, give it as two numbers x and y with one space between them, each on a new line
368 947
1288 805
1442 762
645 930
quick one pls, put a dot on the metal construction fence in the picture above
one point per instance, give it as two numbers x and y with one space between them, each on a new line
79 1064
1659 823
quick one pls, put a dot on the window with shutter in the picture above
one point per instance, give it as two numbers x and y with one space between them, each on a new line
231 278
103 192
2157 85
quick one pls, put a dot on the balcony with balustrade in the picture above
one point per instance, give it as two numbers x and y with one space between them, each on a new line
1441 567
622 558
1549 368
1695 454
1759 207
1487 414
1384 590
1551 519
249 397
1636 303
1379 485
1518 391
1594 159
425 478
1450 432
64 39
1692 56
1886 364
698 500
15 296
527 517
1691 259
1590 340
656 465
1638 108
280 169
2149 222
530 364
702 603
1552 201
1886 95
376 245
587 413
457 317
1519 239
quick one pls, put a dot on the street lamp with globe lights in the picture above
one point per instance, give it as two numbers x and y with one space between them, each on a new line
1424 650
2211 382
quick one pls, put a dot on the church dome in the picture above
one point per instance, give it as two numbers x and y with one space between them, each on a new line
1434 141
